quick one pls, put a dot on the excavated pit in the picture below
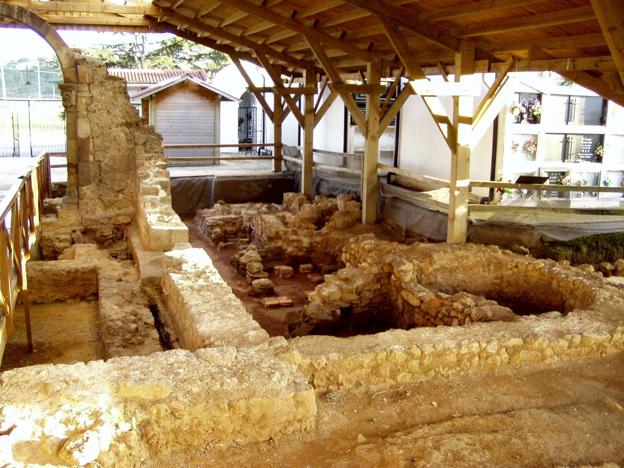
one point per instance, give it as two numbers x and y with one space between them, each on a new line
343 281
64 332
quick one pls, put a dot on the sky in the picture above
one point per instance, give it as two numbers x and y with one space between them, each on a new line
25 43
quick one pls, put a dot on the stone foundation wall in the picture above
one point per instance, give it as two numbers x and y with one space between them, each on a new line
86 272
400 356
295 232
124 409
205 310
120 170
441 284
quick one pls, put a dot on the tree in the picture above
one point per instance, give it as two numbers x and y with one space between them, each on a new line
178 53
172 53
123 55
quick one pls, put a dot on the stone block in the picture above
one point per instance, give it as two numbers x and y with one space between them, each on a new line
120 410
61 280
283 271
205 311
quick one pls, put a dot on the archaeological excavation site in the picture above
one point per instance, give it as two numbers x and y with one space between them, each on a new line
334 306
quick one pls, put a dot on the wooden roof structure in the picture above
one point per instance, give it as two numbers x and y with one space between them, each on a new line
302 42
581 39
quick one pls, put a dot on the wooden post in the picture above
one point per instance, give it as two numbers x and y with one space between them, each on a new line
308 136
370 184
277 132
459 138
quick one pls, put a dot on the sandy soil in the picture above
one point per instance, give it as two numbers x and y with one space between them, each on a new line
570 414
63 333
283 321
274 321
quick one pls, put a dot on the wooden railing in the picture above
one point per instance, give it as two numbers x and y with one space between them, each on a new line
20 212
219 146
317 165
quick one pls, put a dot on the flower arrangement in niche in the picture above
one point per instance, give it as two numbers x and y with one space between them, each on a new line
534 111
515 146
518 110
530 148
599 152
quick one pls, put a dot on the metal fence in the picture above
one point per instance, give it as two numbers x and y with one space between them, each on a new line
30 127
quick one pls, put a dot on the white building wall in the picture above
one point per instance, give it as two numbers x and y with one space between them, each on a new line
328 134
232 82
422 148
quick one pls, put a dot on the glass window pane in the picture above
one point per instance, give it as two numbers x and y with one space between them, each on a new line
586 110
557 109
582 148
553 143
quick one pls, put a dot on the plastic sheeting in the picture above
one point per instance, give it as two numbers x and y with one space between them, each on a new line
426 213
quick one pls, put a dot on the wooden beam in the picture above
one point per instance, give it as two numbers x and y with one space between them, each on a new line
87 7
308 137
407 20
318 114
552 43
324 83
178 19
370 181
297 27
388 96
602 63
314 9
491 93
459 139
279 84
130 22
395 108
277 132
610 16
290 90
397 40
473 8
335 78
252 88
555 18
359 88
154 25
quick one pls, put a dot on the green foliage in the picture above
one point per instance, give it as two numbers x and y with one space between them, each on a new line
172 53
178 53
590 249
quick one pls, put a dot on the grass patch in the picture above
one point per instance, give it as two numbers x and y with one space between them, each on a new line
590 249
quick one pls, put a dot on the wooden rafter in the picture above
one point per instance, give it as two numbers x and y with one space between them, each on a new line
277 81
407 20
388 96
297 26
173 17
395 108
556 18
321 111
252 87
335 78
489 96
472 8
154 25
610 16
88 7
553 43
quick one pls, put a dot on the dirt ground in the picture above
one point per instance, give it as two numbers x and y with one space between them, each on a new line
570 414
566 414
283 321
63 333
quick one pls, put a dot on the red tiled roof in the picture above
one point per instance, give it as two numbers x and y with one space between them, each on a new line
147 77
